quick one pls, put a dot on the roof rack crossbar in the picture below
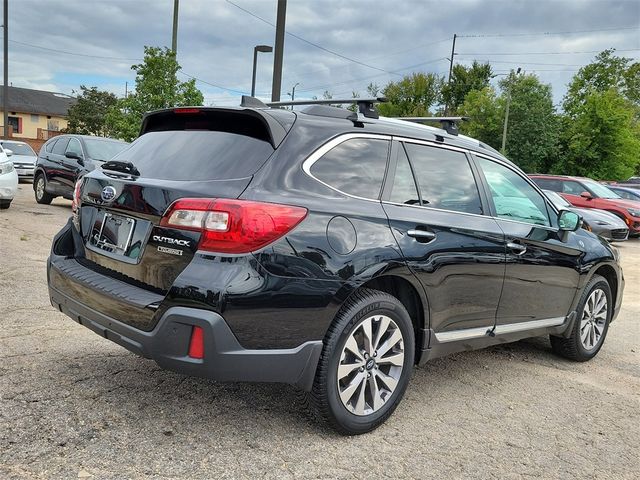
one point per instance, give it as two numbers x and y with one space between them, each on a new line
449 124
365 105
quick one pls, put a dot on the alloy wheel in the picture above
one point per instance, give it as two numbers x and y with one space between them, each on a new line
594 319
370 365
40 188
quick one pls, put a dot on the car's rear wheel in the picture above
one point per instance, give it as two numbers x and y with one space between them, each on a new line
40 190
366 363
592 323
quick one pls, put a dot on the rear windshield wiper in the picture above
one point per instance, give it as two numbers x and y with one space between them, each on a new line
124 167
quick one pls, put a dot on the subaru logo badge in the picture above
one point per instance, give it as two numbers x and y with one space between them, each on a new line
108 193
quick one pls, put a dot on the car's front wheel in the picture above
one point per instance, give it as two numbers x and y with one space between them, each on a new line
366 363
592 323
40 190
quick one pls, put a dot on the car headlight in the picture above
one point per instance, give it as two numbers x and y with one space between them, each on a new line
634 212
6 167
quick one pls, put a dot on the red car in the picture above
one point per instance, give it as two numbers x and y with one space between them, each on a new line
586 193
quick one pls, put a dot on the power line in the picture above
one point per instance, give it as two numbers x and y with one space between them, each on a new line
528 63
74 53
549 53
212 84
492 35
344 57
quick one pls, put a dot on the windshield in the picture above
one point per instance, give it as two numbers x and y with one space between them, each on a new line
104 150
558 201
600 190
19 148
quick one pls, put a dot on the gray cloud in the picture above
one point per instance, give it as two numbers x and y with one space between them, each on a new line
216 40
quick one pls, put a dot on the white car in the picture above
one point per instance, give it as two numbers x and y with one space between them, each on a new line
8 179
23 158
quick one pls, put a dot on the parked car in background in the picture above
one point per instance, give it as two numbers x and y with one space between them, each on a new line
8 179
66 158
23 158
325 248
587 193
602 223
629 193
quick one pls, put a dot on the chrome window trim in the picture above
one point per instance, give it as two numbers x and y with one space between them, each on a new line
480 332
432 143
334 142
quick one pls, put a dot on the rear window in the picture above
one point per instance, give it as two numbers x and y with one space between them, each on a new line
355 167
196 155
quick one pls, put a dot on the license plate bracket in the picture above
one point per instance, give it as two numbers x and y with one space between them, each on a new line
112 233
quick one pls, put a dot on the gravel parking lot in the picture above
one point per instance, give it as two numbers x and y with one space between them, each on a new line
74 405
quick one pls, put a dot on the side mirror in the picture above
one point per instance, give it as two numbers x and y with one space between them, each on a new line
73 155
569 221
8 152
586 195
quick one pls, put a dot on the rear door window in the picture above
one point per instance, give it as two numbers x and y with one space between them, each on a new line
445 178
355 166
549 184
196 155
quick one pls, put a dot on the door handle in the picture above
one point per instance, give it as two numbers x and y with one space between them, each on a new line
516 248
422 235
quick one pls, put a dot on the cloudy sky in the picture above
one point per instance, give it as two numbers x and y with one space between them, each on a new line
334 45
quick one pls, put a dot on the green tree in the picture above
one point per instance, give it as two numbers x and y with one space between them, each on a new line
608 71
486 116
88 115
533 127
157 86
464 80
412 96
601 138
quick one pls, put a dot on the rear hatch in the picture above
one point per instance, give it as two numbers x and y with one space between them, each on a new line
182 153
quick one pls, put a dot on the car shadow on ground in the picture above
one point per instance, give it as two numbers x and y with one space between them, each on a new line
137 385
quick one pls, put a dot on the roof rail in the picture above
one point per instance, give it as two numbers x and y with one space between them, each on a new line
449 124
365 105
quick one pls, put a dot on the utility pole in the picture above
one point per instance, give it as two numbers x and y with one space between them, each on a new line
453 52
5 89
506 118
276 86
174 37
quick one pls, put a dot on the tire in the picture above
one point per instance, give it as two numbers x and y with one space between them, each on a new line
583 344
4 204
374 372
39 185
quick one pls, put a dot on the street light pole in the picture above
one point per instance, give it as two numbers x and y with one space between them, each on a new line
506 118
256 49
293 92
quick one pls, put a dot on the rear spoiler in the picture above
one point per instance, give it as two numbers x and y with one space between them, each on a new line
256 123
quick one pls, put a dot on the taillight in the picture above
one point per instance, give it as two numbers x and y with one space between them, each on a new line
233 226
76 196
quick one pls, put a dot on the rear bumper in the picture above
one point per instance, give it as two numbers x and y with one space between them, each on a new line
224 359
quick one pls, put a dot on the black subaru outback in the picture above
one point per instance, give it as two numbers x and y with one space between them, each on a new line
324 248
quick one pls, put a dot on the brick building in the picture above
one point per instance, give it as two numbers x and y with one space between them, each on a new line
35 115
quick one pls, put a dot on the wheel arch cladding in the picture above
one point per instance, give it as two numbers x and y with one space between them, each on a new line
407 294
610 276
